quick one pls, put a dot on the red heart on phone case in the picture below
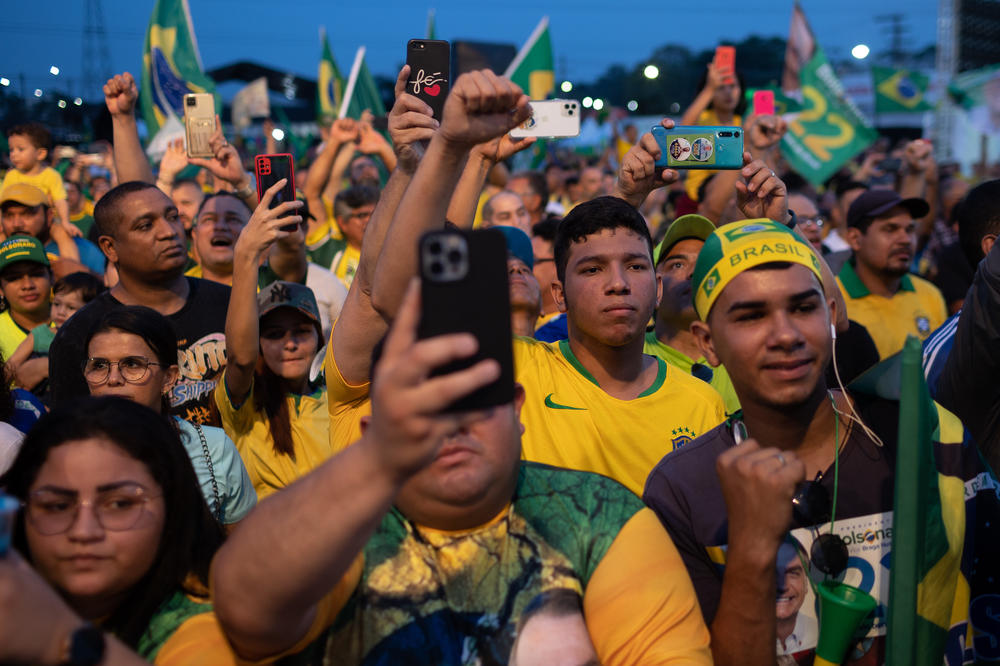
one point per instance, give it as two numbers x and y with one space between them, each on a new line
433 90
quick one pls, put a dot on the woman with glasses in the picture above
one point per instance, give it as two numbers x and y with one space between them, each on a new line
132 353
275 414
113 520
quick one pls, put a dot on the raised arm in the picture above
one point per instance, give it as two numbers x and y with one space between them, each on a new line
483 160
480 107
120 95
227 166
242 325
297 547
638 174
341 131
704 97
360 327
172 163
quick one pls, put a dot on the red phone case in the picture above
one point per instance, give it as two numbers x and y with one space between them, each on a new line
725 62
266 177
763 103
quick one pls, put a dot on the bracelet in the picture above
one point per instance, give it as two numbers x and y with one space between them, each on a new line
244 193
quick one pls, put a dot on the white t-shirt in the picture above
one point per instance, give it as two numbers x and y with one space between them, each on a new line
10 444
330 295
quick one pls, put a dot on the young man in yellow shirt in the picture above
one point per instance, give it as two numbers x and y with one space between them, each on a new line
880 292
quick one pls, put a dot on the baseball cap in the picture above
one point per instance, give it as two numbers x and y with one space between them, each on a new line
685 226
876 202
738 246
518 244
24 194
289 295
22 248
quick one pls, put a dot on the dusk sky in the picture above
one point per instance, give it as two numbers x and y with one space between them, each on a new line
587 35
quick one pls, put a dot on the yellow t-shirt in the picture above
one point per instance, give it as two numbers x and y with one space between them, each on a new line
199 641
346 403
916 309
250 430
621 147
720 378
11 335
47 180
695 177
345 264
569 421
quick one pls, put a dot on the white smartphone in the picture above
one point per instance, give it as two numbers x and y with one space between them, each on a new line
199 123
551 118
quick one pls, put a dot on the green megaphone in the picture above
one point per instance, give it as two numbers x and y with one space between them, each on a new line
841 609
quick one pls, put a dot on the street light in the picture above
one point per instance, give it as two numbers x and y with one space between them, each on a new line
4 81
53 70
651 71
61 104
588 102
38 92
598 104
78 101
278 134
566 86
860 51
632 105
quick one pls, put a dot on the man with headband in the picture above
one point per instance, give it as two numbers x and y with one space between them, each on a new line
726 498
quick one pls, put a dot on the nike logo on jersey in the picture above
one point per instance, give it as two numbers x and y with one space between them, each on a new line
551 404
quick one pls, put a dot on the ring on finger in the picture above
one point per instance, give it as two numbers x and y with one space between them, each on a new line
772 174
780 458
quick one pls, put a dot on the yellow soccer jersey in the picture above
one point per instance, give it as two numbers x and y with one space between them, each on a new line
569 421
916 309
347 404
250 430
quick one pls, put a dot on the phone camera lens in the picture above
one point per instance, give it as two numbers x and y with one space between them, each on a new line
571 112
565 106
437 268
736 134
725 133
454 256
191 101
434 247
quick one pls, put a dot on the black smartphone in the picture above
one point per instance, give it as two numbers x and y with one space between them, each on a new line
430 71
463 289
269 170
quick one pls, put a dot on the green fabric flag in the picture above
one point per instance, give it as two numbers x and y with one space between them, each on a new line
830 130
925 568
362 91
171 68
330 84
533 67
978 92
431 32
899 90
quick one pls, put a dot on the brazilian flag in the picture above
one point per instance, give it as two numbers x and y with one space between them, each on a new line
330 84
171 68
929 525
533 67
899 90
362 91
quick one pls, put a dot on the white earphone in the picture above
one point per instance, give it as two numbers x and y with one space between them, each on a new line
833 331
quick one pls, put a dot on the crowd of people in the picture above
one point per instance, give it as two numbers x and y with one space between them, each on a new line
227 441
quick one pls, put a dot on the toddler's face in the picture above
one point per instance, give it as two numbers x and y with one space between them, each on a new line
64 305
23 154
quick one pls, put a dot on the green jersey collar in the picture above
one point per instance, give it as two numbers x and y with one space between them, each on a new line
855 288
661 370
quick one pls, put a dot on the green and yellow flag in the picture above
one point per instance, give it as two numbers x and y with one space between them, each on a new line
361 92
928 528
330 84
899 90
533 67
171 68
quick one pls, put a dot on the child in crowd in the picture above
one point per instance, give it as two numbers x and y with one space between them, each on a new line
29 147
29 364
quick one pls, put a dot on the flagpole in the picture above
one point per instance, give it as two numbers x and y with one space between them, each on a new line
353 79
519 58
194 39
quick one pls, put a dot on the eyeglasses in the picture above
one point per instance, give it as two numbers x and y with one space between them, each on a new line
51 512
817 221
133 369
811 507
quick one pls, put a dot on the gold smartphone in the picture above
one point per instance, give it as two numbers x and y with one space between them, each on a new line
199 123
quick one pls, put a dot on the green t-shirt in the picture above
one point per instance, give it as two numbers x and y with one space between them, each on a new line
719 377
43 336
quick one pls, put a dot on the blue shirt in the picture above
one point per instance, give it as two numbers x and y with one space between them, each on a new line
553 330
235 489
936 349
90 255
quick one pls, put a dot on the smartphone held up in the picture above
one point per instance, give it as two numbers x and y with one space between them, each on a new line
699 147
199 124
269 169
551 118
430 72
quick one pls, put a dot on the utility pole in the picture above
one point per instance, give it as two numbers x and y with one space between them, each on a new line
896 29
96 57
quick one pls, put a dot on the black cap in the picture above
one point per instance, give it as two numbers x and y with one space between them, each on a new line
876 202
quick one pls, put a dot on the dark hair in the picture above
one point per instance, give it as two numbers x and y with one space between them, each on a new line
591 217
37 133
546 229
537 183
110 209
155 330
216 195
557 602
846 186
190 534
87 284
353 197
741 105
978 215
